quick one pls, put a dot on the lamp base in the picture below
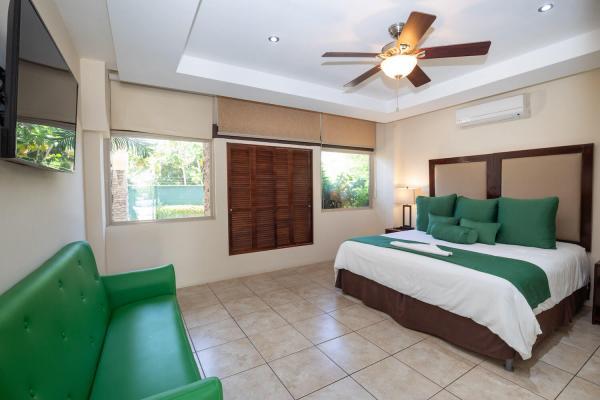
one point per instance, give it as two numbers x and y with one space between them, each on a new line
404 208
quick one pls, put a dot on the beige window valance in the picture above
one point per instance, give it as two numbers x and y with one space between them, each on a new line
147 109
259 120
350 132
249 118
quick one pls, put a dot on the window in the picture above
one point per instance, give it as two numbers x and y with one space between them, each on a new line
345 179
154 178
269 197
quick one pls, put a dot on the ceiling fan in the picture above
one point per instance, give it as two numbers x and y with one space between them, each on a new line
399 57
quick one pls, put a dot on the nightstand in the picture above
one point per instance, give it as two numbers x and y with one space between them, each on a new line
596 298
399 229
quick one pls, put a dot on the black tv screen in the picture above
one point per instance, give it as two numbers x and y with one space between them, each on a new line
40 95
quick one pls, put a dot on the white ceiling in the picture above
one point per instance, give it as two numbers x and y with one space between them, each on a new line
220 47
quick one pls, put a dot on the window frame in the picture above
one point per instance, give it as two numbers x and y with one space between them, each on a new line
108 177
371 178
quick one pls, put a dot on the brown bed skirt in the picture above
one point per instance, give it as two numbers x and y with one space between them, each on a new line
461 331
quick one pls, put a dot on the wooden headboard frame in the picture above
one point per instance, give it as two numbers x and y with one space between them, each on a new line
494 177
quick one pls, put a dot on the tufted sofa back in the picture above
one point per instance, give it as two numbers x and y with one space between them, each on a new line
52 327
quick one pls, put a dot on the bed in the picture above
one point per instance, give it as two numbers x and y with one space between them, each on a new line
478 311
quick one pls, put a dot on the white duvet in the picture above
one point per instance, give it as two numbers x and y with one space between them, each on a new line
486 299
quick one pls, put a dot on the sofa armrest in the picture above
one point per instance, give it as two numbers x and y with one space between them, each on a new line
137 285
205 389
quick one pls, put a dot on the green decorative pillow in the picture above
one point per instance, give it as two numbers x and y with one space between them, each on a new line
454 234
528 222
438 219
476 210
442 206
486 231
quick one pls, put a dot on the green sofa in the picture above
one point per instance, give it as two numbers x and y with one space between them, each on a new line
68 333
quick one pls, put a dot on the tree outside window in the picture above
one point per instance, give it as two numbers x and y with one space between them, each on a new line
156 179
345 179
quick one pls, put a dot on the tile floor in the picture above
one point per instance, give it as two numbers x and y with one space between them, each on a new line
290 334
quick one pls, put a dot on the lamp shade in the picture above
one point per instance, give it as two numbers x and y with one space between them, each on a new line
398 66
405 195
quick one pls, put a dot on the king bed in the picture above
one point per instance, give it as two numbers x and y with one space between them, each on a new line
480 311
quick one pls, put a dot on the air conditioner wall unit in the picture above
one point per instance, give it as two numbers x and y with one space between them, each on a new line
509 108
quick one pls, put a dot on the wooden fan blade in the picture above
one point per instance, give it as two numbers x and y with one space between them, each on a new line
417 77
348 54
364 76
415 28
456 50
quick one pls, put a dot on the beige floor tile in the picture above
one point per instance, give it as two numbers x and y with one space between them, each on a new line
561 354
193 290
263 285
444 395
306 371
230 358
297 311
199 300
292 280
352 352
279 297
356 317
462 353
585 326
215 286
321 328
311 290
435 362
580 389
534 375
245 305
256 384
330 302
390 379
591 370
233 292
325 278
205 315
215 334
279 342
202 374
345 389
576 335
260 321
390 336
481 384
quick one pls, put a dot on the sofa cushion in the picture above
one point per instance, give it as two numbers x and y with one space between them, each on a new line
52 325
145 352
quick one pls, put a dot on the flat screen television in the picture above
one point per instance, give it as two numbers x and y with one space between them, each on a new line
39 110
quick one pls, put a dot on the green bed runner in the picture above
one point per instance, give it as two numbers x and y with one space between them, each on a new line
528 278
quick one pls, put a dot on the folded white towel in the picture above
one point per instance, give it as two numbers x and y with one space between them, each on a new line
423 248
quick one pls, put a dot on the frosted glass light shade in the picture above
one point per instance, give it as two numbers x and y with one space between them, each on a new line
398 66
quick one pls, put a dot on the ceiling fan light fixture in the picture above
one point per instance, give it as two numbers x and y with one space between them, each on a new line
398 66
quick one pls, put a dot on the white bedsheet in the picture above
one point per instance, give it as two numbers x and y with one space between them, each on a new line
486 299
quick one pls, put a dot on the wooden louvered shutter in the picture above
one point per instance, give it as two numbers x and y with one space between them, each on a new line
264 198
270 197
301 196
239 159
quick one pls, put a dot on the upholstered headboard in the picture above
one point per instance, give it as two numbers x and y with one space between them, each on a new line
564 171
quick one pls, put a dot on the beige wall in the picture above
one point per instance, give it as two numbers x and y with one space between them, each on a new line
199 249
563 112
40 211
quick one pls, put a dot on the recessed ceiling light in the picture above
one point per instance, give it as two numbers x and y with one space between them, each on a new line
546 7
273 39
